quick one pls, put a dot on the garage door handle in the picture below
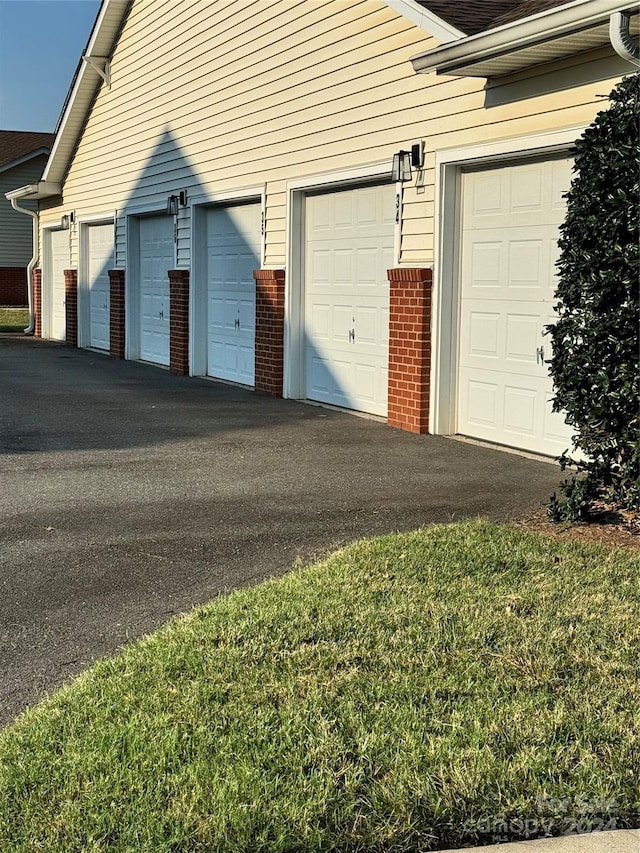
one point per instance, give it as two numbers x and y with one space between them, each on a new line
237 323
540 355
352 336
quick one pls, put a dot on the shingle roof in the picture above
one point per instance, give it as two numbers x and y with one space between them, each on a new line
476 16
15 144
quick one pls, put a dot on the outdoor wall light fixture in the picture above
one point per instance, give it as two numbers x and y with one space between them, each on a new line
68 221
404 160
176 201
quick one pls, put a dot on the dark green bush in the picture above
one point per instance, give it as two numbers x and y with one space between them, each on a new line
595 362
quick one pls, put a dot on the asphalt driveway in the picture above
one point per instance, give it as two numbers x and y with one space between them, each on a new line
129 495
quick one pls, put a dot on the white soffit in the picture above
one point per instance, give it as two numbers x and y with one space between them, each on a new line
572 28
83 89
426 20
33 192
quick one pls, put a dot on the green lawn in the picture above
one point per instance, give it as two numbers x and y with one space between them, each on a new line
409 693
13 319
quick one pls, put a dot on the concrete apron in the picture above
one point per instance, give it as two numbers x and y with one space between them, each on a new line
617 841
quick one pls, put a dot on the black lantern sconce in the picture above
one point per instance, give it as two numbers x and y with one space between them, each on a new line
174 202
404 160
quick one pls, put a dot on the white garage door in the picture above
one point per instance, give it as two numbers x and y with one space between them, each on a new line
59 263
157 257
233 253
510 225
100 261
349 248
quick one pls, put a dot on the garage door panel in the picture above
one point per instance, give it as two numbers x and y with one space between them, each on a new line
484 336
484 268
342 322
319 376
247 314
479 401
528 185
528 264
520 410
368 325
367 381
320 320
216 355
511 217
555 427
348 249
522 337
233 252
484 198
343 267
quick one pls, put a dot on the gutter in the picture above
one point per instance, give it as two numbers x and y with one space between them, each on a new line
540 28
32 317
33 192
621 39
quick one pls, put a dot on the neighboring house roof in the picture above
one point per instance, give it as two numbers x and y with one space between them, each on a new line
455 23
476 16
17 146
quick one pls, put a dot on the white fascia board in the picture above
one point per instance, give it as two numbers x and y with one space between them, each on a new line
545 26
24 159
33 192
101 41
426 20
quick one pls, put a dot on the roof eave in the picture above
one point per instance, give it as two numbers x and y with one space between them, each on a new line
83 88
458 59
426 20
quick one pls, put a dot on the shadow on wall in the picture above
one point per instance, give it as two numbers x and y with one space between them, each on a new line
559 77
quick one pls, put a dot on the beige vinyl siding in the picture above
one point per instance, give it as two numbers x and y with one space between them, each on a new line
16 246
252 97
218 97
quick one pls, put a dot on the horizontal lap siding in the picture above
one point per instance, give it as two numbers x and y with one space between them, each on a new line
16 245
214 97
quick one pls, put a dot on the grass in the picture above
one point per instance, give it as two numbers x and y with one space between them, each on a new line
13 319
412 692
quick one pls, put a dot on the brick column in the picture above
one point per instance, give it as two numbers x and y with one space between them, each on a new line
36 278
269 331
409 349
116 313
71 307
179 322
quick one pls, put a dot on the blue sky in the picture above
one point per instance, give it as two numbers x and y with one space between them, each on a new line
40 45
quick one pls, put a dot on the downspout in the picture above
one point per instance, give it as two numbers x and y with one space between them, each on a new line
32 317
621 39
